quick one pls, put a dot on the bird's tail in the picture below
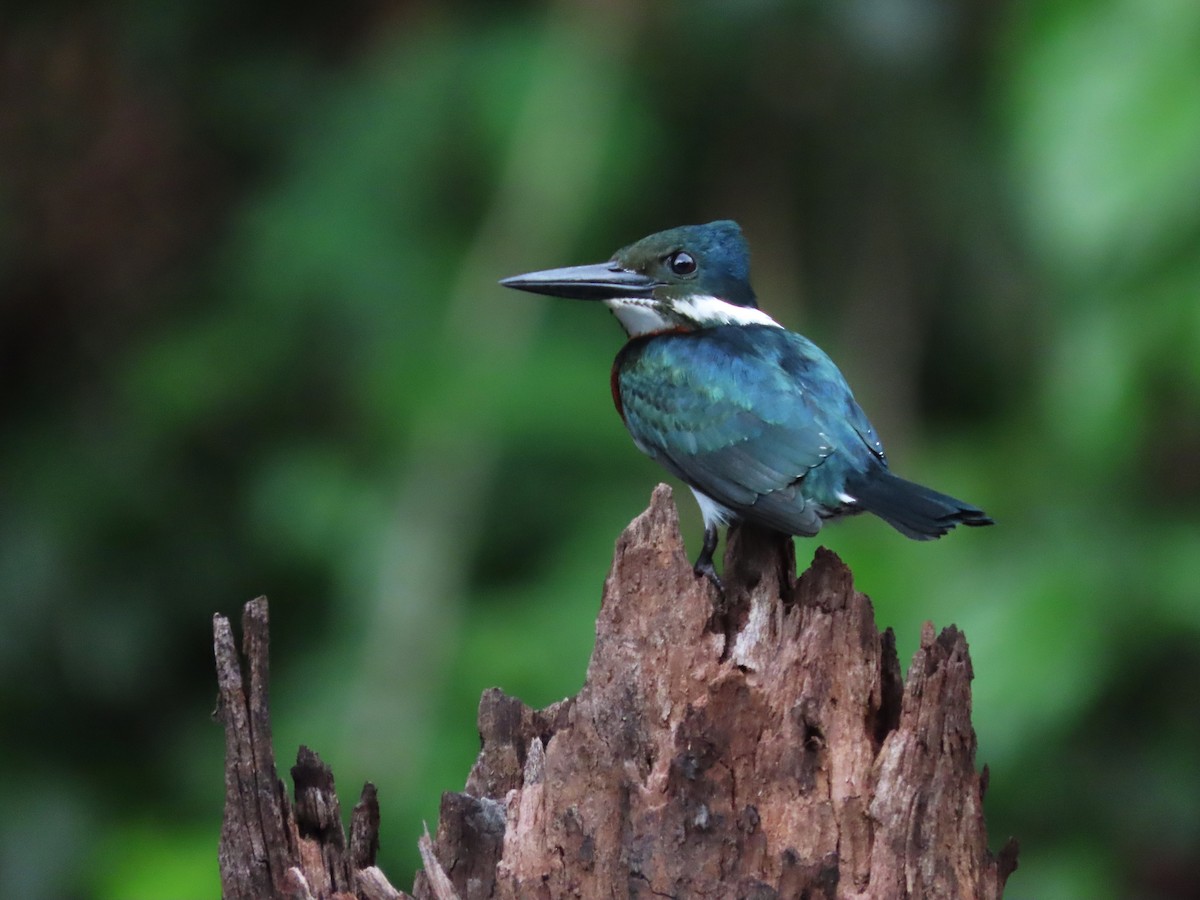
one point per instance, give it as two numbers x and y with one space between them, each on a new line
919 512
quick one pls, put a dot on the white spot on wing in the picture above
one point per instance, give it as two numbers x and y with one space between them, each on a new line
846 498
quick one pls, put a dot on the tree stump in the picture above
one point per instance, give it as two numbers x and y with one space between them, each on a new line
760 747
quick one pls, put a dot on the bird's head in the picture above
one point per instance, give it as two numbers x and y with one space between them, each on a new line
686 278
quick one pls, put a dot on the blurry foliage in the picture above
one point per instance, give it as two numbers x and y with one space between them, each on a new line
253 343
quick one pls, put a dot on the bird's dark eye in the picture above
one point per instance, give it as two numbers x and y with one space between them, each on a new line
681 263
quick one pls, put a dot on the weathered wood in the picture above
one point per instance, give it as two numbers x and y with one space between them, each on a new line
761 747
767 749
271 847
256 847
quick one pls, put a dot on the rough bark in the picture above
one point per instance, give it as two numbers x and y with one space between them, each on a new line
763 747
273 847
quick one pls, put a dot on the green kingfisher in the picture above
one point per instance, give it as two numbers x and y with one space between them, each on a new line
755 419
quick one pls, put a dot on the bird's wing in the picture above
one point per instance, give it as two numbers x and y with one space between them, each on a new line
824 386
742 414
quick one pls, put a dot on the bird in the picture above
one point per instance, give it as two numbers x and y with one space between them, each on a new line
756 420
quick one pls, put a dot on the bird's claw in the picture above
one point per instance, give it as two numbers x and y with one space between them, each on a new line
705 567
704 562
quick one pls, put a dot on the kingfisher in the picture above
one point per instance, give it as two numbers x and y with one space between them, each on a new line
756 420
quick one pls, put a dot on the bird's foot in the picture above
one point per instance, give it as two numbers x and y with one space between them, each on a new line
704 566
704 562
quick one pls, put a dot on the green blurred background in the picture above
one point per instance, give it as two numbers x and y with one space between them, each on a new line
252 343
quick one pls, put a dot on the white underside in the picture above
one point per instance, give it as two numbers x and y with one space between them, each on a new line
640 316
712 511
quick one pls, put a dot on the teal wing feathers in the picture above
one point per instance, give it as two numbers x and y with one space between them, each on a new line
757 418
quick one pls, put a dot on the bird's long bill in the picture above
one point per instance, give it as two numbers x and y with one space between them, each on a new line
602 281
